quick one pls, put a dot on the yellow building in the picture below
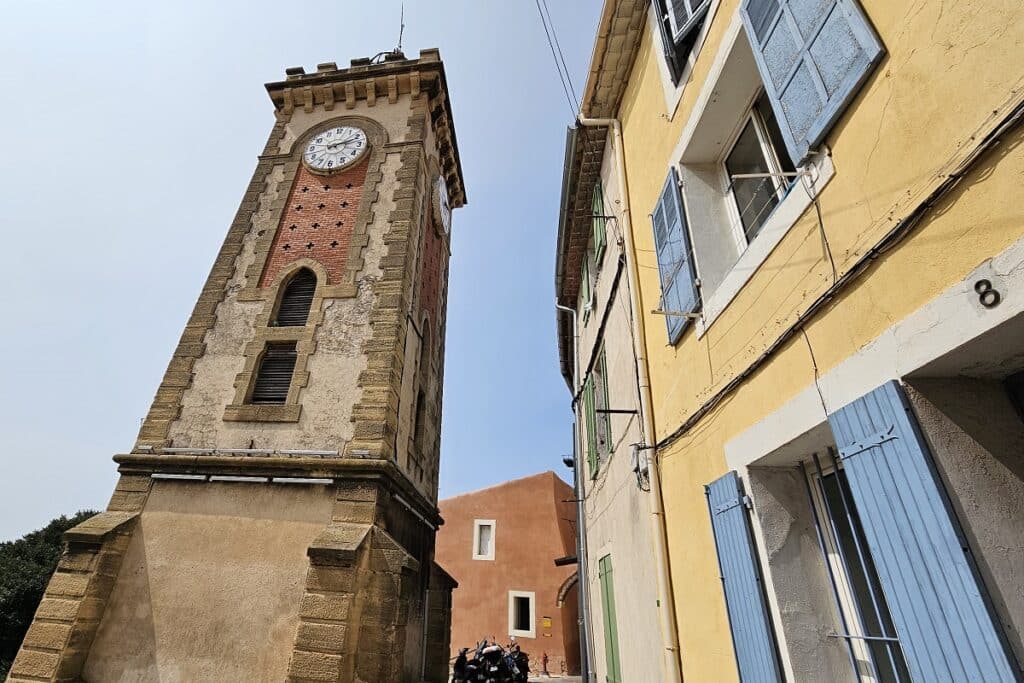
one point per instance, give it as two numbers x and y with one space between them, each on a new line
822 218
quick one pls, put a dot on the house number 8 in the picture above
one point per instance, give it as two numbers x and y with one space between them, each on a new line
988 296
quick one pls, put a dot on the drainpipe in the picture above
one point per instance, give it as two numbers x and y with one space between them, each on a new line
666 605
581 518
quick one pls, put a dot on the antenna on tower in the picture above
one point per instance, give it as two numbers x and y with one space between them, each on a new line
401 29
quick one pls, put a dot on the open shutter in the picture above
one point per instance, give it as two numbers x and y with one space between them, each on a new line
598 220
813 56
752 634
675 263
589 416
611 627
924 564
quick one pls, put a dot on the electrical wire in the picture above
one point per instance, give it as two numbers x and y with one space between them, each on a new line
561 56
562 76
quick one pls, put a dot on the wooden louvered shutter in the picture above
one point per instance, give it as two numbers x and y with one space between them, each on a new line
611 627
923 562
675 263
598 222
274 376
813 57
752 635
296 300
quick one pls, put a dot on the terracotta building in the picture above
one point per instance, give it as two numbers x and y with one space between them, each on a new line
275 519
501 544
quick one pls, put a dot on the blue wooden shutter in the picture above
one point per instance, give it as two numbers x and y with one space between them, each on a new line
813 56
672 242
923 563
752 634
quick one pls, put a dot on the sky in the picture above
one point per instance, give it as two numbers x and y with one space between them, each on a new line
131 130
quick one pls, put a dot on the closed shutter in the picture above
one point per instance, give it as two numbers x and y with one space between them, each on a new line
599 221
611 627
675 263
923 562
591 423
813 56
752 634
296 300
274 376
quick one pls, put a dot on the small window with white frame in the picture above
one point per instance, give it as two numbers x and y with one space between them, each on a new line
756 168
522 614
483 539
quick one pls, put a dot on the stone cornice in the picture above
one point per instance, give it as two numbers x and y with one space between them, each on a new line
275 466
330 87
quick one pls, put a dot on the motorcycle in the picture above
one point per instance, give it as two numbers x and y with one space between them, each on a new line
491 663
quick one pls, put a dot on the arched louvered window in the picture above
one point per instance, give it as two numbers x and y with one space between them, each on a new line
296 300
274 376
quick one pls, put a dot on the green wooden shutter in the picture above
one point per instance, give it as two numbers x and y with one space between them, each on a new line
585 286
813 57
611 628
598 220
605 420
588 410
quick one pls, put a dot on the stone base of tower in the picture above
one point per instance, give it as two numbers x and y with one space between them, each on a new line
251 569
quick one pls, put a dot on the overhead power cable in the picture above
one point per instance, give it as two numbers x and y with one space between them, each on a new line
563 74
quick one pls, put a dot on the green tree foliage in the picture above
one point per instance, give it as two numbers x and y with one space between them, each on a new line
25 569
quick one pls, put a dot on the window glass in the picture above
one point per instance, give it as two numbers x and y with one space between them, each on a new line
484 534
870 606
522 619
755 197
771 125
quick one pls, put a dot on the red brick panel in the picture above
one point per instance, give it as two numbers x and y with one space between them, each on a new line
317 223
433 252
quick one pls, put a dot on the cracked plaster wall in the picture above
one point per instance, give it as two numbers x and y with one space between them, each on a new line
328 399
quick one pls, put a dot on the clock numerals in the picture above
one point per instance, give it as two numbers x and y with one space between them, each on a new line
335 148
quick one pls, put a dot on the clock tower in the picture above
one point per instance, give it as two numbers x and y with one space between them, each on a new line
275 519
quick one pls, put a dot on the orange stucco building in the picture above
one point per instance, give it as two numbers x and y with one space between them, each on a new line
500 544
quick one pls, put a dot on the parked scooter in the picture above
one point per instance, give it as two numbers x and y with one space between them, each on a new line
491 663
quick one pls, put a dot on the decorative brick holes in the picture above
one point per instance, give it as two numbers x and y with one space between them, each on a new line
433 246
320 215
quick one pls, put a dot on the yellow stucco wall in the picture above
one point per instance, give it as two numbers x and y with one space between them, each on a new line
948 67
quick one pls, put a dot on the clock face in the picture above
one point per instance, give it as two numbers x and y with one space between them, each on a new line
442 209
335 148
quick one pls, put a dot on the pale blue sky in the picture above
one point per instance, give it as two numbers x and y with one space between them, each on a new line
130 132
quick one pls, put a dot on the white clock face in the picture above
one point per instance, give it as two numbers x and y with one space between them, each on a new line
335 148
441 206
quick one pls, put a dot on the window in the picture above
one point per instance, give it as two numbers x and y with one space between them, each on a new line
680 22
601 402
599 222
483 539
595 415
754 166
586 295
274 376
521 614
296 300
865 613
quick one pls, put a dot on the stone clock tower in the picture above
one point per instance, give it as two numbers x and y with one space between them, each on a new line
276 517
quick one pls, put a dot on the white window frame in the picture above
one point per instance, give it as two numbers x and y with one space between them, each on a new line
673 93
844 588
771 155
785 215
532 597
477 523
